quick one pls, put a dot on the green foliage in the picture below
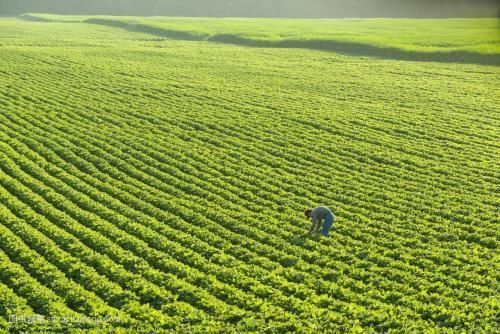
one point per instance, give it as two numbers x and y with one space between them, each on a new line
453 40
161 182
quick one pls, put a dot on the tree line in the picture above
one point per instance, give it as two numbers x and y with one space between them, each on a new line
260 8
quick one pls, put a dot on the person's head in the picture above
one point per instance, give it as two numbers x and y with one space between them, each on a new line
307 213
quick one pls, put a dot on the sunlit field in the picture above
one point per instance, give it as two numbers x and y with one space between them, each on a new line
154 173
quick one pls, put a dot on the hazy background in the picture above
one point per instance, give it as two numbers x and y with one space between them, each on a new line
260 8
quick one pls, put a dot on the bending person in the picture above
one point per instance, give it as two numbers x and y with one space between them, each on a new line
318 215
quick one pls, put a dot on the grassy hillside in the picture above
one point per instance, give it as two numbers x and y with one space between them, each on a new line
154 183
424 35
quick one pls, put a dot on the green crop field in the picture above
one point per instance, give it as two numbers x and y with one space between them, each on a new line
154 173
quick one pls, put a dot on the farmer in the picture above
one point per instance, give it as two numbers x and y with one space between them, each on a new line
318 214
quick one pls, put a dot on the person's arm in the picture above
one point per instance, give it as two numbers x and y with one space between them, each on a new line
312 227
314 223
318 225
